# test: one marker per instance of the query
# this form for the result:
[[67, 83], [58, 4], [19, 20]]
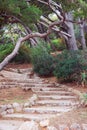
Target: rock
[[15, 105], [84, 126], [26, 104], [51, 128], [9, 106], [10, 111], [18, 109], [44, 123], [4, 113], [3, 108], [75, 126], [33, 98], [63, 127], [29, 125]]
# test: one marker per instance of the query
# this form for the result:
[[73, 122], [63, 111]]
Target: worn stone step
[[59, 97], [57, 102], [46, 109], [35, 84], [48, 89], [36, 117], [23, 84], [27, 81], [10, 124], [54, 92], [7, 86], [30, 81], [8, 83], [21, 70]]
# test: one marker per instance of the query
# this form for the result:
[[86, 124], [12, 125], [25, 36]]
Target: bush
[[5, 49], [42, 61], [69, 65], [58, 44], [22, 56]]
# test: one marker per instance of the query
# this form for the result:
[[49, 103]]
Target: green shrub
[[22, 56], [69, 65], [42, 61], [58, 44], [5, 49]]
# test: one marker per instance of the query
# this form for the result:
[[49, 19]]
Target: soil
[[14, 95], [78, 116], [18, 95]]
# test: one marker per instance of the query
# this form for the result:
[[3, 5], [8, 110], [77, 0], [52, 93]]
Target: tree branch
[[20, 40]]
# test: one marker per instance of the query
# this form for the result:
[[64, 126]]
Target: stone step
[[54, 92], [8, 83], [10, 124], [56, 97], [22, 82], [25, 86], [7, 86], [45, 109], [42, 87], [20, 70], [35, 89], [35, 84], [36, 117], [57, 102]]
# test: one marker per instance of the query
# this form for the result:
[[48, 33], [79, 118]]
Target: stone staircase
[[52, 100]]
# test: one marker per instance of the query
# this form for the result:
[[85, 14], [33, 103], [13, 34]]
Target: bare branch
[[43, 2], [47, 23], [20, 40]]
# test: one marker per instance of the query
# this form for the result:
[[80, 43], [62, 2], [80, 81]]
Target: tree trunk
[[83, 42], [72, 40], [12, 55]]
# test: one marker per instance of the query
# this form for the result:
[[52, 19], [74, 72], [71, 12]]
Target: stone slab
[[36, 117], [48, 88], [55, 92], [47, 109], [57, 102], [60, 97], [10, 124]]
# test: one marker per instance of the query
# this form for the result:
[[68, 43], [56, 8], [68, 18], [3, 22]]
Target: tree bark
[[13, 54], [83, 41], [71, 40]]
